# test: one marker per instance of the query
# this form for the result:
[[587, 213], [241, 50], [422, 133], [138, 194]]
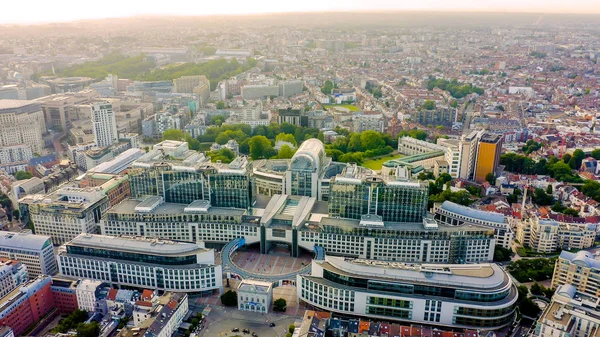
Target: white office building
[[34, 251], [141, 262], [452, 214], [473, 296], [66, 213], [22, 122], [87, 293], [104, 124]]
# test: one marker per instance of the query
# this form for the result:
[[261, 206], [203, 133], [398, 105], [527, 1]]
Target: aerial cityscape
[[294, 170]]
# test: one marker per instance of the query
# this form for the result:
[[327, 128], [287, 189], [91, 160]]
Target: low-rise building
[[65, 294], [163, 319], [255, 295], [87, 292]]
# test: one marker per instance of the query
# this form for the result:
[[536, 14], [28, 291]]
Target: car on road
[[254, 334], [246, 331], [271, 324], [235, 330]]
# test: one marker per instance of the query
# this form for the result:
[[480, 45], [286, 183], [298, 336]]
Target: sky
[[36, 11]]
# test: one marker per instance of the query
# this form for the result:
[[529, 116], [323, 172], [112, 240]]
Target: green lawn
[[348, 106], [375, 164]]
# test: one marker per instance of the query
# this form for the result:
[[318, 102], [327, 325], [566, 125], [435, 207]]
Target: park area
[[346, 106], [377, 163]]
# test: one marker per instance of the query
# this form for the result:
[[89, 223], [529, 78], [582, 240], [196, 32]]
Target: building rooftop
[[139, 245], [403, 226], [131, 206], [476, 276], [173, 301], [581, 258], [255, 286], [473, 213], [25, 241], [9, 105]]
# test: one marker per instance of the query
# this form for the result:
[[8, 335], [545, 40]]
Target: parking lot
[[221, 321]]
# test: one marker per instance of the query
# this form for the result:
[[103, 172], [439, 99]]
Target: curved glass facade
[[135, 257]]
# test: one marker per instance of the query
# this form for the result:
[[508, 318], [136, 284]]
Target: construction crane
[[549, 122]]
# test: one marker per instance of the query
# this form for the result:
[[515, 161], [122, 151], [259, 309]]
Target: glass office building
[[354, 194], [473, 296], [140, 262]]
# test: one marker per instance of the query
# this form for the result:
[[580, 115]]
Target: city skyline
[[69, 10]]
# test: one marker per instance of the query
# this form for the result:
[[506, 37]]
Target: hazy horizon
[[37, 11]]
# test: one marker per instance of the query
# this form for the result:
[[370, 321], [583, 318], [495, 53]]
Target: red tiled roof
[[112, 294], [147, 294]]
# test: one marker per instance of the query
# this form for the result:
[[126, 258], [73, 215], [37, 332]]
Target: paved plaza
[[278, 261], [220, 321]]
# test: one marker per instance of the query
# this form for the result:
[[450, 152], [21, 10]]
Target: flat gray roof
[[9, 104], [472, 213], [137, 245], [407, 226], [475, 276], [128, 207], [25, 241]]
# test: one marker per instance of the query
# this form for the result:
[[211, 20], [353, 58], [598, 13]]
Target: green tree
[[566, 158], [286, 152], [225, 155], [327, 87], [260, 147], [578, 155], [536, 289], [173, 134], [429, 105], [291, 328], [279, 305], [229, 299], [596, 154], [123, 322], [571, 211], [286, 137], [549, 190], [370, 139], [425, 175], [541, 198], [88, 329], [558, 207], [22, 175], [502, 254], [16, 214], [6, 202], [490, 178], [220, 105]]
